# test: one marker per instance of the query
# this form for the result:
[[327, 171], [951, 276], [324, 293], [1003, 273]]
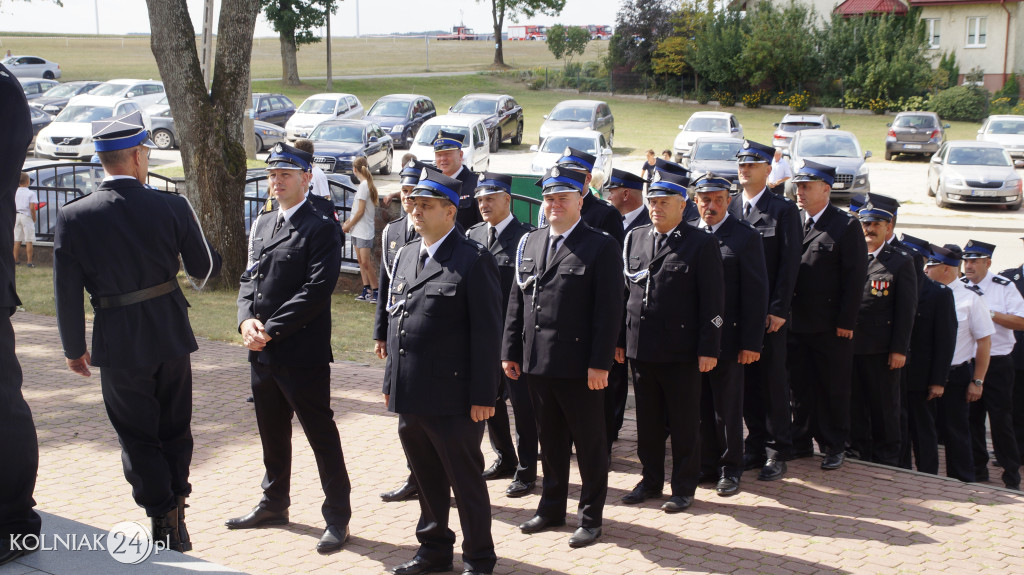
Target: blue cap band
[[442, 144], [615, 182], [121, 143], [823, 176], [564, 181], [431, 184], [667, 186], [589, 166], [494, 184]]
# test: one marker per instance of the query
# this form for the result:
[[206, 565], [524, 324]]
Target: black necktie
[[746, 209], [280, 222], [552, 249], [422, 262], [871, 258], [492, 236], [659, 243], [708, 228], [808, 225], [410, 232]]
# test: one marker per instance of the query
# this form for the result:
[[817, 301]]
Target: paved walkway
[[862, 519]]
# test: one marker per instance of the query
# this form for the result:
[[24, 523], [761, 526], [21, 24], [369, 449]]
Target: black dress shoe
[[258, 517], [469, 571], [752, 461], [421, 565], [773, 469], [406, 491], [727, 486], [333, 540], [640, 494], [584, 536], [497, 470], [8, 553], [677, 503], [520, 488], [833, 461], [536, 524]]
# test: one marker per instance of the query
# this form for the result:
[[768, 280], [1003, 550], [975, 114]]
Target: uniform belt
[[135, 296]]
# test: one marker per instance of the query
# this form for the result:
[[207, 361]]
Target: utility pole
[[206, 62], [96, 6]]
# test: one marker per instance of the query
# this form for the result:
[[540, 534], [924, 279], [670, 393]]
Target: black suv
[[273, 108], [502, 116], [401, 115]]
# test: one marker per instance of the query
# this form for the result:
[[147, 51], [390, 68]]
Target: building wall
[[953, 39]]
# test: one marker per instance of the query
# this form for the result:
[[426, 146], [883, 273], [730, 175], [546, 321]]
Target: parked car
[[144, 92], [40, 120], [69, 136], [918, 133], [476, 151], [58, 183], [703, 124], [36, 87], [32, 67], [401, 115], [967, 172], [1006, 130], [273, 108], [502, 116], [343, 191], [589, 141], [338, 143], [715, 154], [836, 148], [580, 115], [54, 100], [792, 123], [320, 108], [165, 135]]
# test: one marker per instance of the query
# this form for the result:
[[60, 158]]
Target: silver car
[[579, 115], [837, 148], [1005, 130], [965, 172], [32, 67]]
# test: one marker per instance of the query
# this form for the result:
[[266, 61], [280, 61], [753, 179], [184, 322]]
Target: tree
[[778, 48], [567, 42], [294, 21], [896, 64], [717, 47], [209, 124], [639, 26], [514, 10]]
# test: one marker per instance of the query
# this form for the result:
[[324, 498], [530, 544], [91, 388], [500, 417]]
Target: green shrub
[[701, 96], [755, 99], [966, 103], [1000, 106], [1010, 90], [878, 105], [725, 98]]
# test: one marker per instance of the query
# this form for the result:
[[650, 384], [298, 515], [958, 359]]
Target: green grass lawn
[[213, 314]]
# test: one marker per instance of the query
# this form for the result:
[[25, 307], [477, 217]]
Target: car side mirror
[[534, 148], [867, 154], [835, 126], [981, 131], [479, 144], [888, 124], [785, 154], [936, 159], [680, 126], [606, 152], [545, 116], [776, 124], [373, 139], [450, 108]]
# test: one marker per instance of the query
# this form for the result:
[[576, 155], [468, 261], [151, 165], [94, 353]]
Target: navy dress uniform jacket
[[289, 288], [642, 219], [569, 320], [933, 339], [469, 212], [395, 236], [746, 287], [888, 305], [688, 268], [504, 252], [832, 271], [601, 215], [110, 244], [443, 342]]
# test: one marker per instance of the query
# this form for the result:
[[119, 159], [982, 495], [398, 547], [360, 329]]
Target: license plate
[[838, 186], [67, 150], [983, 192], [912, 146]]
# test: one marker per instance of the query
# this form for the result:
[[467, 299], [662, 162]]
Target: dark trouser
[[524, 451], [615, 400], [444, 451], [721, 419], [905, 461], [922, 434], [280, 392], [151, 411], [996, 401], [956, 425], [1018, 407], [668, 392], [19, 449], [569, 412], [820, 365], [875, 409], [766, 401]]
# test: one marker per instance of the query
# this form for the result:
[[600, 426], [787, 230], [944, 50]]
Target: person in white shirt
[[1006, 308], [973, 342], [361, 224], [25, 202], [318, 186], [781, 171]]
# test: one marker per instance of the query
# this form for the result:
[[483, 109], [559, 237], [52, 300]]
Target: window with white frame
[[933, 32], [976, 32]]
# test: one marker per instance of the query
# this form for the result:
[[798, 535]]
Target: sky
[[375, 16]]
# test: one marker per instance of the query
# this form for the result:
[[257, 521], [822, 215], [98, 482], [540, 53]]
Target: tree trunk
[[498, 18], [289, 63], [210, 127]]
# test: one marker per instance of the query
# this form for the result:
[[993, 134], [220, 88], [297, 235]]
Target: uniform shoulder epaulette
[[745, 224], [965, 280], [69, 202], [975, 289], [1001, 280], [476, 225], [480, 248], [170, 192]]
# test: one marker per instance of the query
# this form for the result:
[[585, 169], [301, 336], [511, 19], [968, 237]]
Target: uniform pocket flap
[[572, 269], [766, 231], [440, 289], [677, 267]]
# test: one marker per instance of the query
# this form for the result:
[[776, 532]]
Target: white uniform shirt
[[318, 185], [1001, 296], [973, 321]]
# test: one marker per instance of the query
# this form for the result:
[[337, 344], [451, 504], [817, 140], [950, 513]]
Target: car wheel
[[163, 139], [518, 138], [48, 75], [940, 201], [611, 139], [1013, 207], [259, 143], [385, 169], [888, 155], [496, 140]]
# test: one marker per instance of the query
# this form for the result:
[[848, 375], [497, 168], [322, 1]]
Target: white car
[[144, 92], [32, 67], [319, 108], [589, 141], [705, 124], [69, 136], [1006, 130], [476, 144]]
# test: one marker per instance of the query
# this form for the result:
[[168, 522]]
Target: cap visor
[[557, 189]]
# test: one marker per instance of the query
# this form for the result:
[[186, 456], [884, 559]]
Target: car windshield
[[318, 106], [346, 134], [558, 144], [715, 125], [426, 135], [920, 122], [62, 91], [978, 157], [572, 114], [109, 89], [474, 106], [390, 108], [828, 146], [1007, 127], [797, 126], [84, 114], [717, 150], [11, 60]]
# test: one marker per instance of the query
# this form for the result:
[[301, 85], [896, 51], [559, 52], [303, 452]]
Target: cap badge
[[746, 144], [554, 171], [567, 152], [278, 149], [411, 164]]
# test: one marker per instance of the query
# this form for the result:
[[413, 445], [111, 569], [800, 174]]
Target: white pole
[[96, 6]]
